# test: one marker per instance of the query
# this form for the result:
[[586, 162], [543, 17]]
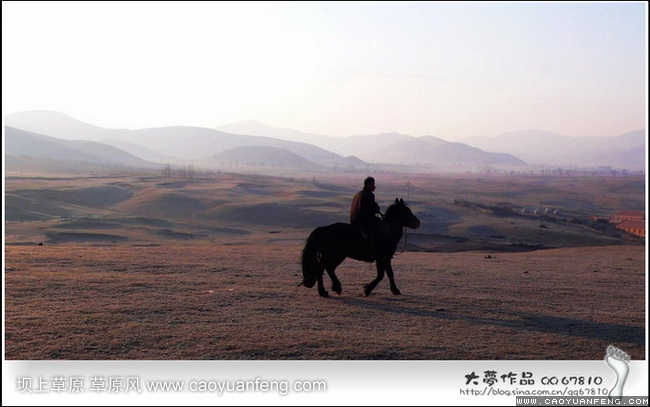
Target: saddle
[[372, 240], [366, 235]]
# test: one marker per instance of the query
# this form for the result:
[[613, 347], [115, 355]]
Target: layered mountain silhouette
[[532, 147], [167, 145], [53, 135], [403, 150], [21, 143], [538, 147]]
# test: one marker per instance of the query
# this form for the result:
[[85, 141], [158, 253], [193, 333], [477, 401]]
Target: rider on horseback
[[365, 214]]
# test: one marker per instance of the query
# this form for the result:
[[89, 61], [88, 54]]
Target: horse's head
[[399, 211]]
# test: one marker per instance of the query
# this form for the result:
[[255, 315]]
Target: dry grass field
[[179, 302], [144, 268]]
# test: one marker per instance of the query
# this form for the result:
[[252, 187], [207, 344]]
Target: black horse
[[328, 246]]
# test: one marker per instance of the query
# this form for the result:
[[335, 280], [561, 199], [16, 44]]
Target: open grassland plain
[[194, 302], [480, 212], [144, 267]]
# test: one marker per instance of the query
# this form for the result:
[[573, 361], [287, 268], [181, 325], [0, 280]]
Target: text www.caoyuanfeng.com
[[240, 386], [131, 384]]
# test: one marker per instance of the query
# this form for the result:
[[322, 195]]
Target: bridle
[[405, 240], [405, 235]]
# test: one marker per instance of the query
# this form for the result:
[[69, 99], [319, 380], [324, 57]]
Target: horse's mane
[[398, 202], [394, 205]]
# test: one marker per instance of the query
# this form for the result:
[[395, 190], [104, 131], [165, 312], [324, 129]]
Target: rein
[[405, 240], [405, 235]]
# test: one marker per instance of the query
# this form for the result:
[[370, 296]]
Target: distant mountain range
[[53, 135], [387, 148], [21, 143], [166, 145], [533, 147], [538, 147]]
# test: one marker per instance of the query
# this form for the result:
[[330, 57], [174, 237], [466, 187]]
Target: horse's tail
[[310, 258]]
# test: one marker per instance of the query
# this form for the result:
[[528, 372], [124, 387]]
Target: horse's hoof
[[324, 294], [366, 292], [397, 292]]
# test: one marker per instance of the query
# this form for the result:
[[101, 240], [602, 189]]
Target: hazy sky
[[450, 70]]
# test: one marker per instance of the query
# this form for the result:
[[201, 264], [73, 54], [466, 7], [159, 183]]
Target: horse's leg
[[321, 286], [330, 267], [391, 277], [336, 283], [367, 289]]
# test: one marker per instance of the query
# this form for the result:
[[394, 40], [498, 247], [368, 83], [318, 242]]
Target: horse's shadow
[[616, 333]]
